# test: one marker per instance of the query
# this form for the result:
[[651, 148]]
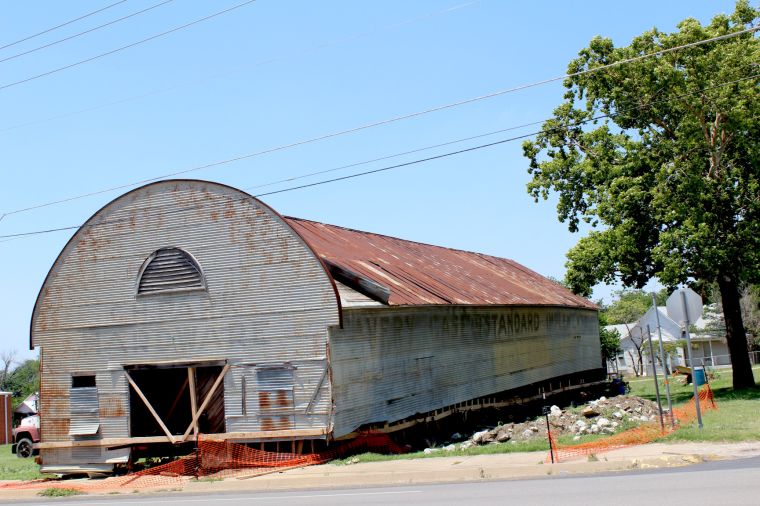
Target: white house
[[708, 341]]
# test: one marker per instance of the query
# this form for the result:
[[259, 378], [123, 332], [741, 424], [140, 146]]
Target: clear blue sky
[[275, 72]]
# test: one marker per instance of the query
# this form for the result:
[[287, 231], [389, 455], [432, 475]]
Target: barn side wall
[[391, 363], [268, 302]]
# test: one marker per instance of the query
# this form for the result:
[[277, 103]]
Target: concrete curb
[[456, 469]]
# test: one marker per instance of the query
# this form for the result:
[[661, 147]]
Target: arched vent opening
[[170, 269]]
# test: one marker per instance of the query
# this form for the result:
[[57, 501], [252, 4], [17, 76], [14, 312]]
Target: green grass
[[59, 492], [489, 449], [735, 419], [14, 468]]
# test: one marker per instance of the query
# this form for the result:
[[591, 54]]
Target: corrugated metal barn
[[187, 307]]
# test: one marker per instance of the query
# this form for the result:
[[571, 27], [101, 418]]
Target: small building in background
[[6, 418], [27, 407], [188, 307], [708, 341]]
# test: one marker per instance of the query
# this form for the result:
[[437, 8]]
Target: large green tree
[[630, 305], [671, 175]]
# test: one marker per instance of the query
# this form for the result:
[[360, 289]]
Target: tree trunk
[[736, 337]]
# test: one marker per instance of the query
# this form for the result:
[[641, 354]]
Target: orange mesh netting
[[642, 434], [217, 458]]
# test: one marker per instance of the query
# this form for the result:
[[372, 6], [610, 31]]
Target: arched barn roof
[[394, 271], [101, 218]]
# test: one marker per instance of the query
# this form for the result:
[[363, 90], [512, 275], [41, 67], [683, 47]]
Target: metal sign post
[[666, 373], [689, 310], [546, 410], [654, 374]]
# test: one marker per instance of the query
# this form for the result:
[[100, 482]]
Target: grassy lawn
[[526, 446], [14, 468], [735, 420]]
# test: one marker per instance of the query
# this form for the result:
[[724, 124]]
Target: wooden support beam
[[205, 403], [223, 436], [150, 408], [316, 390], [193, 397]]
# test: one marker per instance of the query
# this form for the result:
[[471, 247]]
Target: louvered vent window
[[170, 269]]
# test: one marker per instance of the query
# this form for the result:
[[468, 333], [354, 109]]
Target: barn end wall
[[268, 302], [391, 363]]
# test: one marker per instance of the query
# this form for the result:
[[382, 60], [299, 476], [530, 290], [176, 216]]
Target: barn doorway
[[161, 399]]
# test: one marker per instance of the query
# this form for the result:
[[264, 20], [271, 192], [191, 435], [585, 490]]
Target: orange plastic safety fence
[[642, 434], [217, 458]]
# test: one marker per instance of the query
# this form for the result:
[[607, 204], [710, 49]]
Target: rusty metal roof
[[420, 274]]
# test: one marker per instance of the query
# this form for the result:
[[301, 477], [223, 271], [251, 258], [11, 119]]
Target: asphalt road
[[726, 483]]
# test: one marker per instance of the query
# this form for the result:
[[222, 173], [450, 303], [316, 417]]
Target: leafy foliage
[[24, 380], [750, 306], [662, 153], [610, 339], [631, 305]]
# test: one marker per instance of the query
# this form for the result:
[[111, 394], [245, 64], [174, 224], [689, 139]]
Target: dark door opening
[[168, 391]]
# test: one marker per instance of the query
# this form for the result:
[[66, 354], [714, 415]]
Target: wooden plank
[[193, 397], [206, 401], [223, 436], [316, 390], [150, 408]]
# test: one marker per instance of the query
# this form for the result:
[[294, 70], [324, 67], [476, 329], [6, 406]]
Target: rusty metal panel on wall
[[391, 363]]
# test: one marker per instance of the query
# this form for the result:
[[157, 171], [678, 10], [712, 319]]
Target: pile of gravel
[[602, 416]]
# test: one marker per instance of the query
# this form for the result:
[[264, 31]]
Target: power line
[[396, 155], [377, 123], [405, 164], [62, 24], [293, 54], [122, 48], [86, 31]]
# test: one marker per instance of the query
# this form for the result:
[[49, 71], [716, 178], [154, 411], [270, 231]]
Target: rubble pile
[[602, 416]]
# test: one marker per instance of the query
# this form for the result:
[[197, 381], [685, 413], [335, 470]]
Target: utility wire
[[406, 164], [86, 31], [396, 155], [62, 25], [122, 48], [375, 124], [294, 54]]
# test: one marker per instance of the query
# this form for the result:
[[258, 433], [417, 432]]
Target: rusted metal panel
[[418, 274], [267, 299], [391, 363], [255, 402]]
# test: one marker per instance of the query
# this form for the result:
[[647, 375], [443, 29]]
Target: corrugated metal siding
[[391, 363], [85, 413], [306, 376], [351, 298], [268, 300]]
